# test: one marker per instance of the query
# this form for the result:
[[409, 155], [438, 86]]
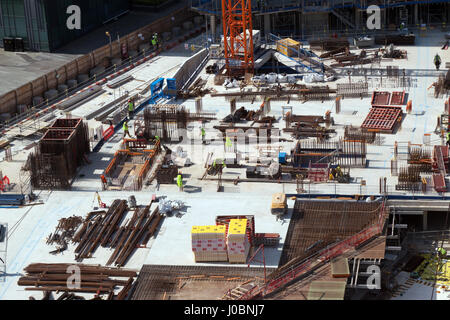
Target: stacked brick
[[208, 243], [238, 245]]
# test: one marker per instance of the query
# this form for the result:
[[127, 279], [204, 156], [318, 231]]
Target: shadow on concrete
[[192, 189]]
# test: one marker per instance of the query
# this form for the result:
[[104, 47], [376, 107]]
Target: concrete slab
[[29, 227]]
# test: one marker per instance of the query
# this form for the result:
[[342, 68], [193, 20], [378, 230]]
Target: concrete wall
[[189, 67], [37, 87]]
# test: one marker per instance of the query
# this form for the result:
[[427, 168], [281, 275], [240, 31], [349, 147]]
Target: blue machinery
[[157, 90]]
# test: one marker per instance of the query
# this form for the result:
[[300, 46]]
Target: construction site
[[232, 157]]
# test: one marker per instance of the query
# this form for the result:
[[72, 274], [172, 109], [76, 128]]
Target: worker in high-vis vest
[[448, 138], [180, 181], [228, 143], [203, 134], [125, 129], [130, 108], [437, 61], [442, 252], [156, 39]]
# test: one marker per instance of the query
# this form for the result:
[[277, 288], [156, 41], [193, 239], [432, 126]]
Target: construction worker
[[228, 142], [402, 26], [448, 138], [338, 171], [442, 252], [437, 61], [154, 44], [125, 129], [155, 41], [203, 133], [157, 138], [180, 182], [130, 108]]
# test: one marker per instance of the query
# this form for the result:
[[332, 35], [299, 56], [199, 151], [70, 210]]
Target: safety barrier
[[4, 182], [108, 133]]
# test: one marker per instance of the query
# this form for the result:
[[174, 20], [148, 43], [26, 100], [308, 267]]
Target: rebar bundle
[[106, 230], [93, 279]]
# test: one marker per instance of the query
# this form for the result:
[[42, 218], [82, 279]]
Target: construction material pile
[[107, 229], [288, 47], [64, 232], [328, 44], [197, 89], [93, 279], [301, 126], [242, 114], [391, 52], [396, 39], [238, 245], [208, 243], [168, 207]]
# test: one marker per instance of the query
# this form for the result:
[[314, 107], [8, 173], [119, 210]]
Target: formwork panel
[[380, 98], [397, 98], [383, 119]]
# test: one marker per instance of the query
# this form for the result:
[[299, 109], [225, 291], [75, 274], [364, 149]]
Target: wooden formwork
[[121, 158]]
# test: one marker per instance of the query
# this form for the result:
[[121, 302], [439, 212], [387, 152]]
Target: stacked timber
[[208, 243], [238, 245]]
